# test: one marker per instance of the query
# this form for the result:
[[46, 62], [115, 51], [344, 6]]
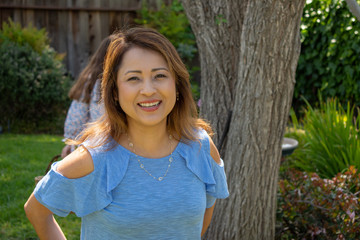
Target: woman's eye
[[133, 79], [160, 75]]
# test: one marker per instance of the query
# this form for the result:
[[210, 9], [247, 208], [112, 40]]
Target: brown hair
[[182, 121], [84, 85]]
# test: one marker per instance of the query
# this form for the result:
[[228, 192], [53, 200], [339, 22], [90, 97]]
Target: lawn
[[23, 157]]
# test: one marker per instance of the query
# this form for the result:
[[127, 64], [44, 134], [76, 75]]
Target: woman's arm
[[207, 219], [78, 164], [43, 220], [214, 153]]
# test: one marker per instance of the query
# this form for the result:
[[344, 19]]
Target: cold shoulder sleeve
[[199, 161], [83, 195]]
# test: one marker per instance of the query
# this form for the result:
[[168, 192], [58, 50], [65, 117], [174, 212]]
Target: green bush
[[329, 61], [33, 86], [313, 208], [331, 139], [13, 32]]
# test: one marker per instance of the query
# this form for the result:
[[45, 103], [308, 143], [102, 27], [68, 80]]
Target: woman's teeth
[[149, 104]]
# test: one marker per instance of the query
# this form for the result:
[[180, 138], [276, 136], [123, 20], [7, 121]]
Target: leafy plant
[[329, 61], [33, 86], [29, 35], [310, 207], [331, 139]]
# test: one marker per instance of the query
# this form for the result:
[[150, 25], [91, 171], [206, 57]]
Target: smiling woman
[[147, 169]]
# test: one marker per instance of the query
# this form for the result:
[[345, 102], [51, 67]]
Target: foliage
[[23, 157], [29, 35], [313, 208], [33, 84], [329, 61], [331, 139], [171, 21]]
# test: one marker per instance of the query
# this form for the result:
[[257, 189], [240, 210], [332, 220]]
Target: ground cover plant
[[310, 207], [22, 157]]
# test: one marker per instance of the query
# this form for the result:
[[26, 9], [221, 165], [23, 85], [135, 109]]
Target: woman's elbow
[[34, 209]]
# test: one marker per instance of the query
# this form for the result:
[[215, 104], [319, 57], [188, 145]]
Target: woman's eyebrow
[[157, 69], [132, 71], [152, 70]]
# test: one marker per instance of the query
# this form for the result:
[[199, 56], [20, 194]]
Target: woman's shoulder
[[77, 164], [88, 158]]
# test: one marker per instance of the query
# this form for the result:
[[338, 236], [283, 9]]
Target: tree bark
[[354, 8], [248, 52]]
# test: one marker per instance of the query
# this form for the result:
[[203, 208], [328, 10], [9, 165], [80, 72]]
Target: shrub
[[13, 32], [329, 61], [33, 86], [331, 139], [313, 208]]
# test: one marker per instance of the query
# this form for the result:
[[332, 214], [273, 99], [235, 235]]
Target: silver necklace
[[131, 145]]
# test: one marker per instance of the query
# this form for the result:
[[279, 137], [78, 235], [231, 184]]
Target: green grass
[[23, 157]]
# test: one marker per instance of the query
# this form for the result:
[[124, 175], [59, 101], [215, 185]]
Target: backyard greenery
[[319, 183], [33, 83], [330, 48], [332, 139], [23, 157]]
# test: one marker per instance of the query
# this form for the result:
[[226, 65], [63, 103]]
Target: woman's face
[[146, 88]]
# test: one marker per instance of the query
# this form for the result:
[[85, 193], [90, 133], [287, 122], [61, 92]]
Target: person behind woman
[[85, 94], [147, 169]]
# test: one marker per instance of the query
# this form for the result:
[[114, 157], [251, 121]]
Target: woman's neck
[[149, 142]]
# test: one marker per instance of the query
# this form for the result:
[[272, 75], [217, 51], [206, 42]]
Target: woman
[[147, 169], [86, 106]]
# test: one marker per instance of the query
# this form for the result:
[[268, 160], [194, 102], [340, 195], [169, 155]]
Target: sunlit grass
[[23, 157]]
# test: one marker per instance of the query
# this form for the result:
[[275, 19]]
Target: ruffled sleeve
[[199, 161], [87, 194]]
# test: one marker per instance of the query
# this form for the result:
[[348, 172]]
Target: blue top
[[119, 200]]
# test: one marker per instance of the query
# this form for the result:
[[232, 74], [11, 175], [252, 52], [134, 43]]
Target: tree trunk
[[248, 52], [354, 8]]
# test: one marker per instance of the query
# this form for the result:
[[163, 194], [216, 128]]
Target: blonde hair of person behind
[[84, 85], [183, 120]]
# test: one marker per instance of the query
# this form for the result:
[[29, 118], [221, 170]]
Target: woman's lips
[[149, 106]]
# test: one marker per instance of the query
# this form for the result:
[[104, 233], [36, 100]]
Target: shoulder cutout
[[214, 152], [77, 164]]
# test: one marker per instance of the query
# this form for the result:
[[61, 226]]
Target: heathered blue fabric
[[119, 200]]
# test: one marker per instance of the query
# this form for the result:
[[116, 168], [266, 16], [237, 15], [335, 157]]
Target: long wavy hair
[[183, 120], [82, 88]]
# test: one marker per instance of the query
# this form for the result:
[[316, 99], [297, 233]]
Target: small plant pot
[[288, 146]]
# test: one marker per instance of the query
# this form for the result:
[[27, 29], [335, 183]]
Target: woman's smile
[[150, 106]]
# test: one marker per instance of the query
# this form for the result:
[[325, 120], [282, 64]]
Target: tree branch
[[354, 8]]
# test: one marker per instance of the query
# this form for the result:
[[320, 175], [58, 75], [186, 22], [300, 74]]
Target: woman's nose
[[148, 87]]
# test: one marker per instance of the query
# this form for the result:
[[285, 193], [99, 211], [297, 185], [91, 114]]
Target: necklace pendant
[[142, 165], [160, 178]]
